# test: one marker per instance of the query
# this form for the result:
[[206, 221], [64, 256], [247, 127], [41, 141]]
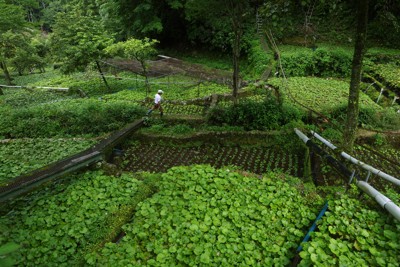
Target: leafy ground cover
[[173, 92], [209, 217], [19, 98], [20, 156], [56, 226], [89, 82], [388, 74], [322, 95], [352, 234], [322, 61], [180, 226], [68, 118], [205, 58]]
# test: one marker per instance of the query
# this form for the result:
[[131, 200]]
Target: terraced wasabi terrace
[[234, 172]]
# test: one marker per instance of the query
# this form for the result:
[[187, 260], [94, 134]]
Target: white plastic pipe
[[382, 200], [40, 87], [301, 135], [371, 169], [358, 162], [326, 142], [380, 94]]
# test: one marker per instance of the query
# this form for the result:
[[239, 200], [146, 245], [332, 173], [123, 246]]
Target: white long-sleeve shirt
[[157, 99]]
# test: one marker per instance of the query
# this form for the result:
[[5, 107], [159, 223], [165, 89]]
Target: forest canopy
[[188, 22]]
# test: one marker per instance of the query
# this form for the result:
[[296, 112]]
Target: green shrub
[[379, 140], [267, 115], [76, 117], [333, 135], [368, 117], [181, 129], [322, 63]]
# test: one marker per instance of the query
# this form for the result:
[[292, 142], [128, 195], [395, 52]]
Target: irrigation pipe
[[32, 87], [340, 167], [358, 162], [313, 226], [382, 200]]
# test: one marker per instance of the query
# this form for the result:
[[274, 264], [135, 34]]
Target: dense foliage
[[19, 98], [54, 230], [174, 91], [389, 73], [77, 44], [266, 115], [23, 155], [204, 216], [387, 119], [351, 234], [68, 118], [308, 92], [321, 62], [201, 215]]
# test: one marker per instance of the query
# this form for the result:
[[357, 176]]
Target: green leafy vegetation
[[6, 254], [308, 91], [389, 73], [323, 62], [202, 215], [206, 216], [351, 234], [20, 98], [381, 155], [173, 91], [59, 225], [20, 156], [266, 115], [370, 118], [68, 118]]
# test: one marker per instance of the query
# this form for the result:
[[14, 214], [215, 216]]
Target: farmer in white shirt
[[157, 103]]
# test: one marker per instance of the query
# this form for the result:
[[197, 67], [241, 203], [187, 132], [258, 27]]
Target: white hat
[[160, 91]]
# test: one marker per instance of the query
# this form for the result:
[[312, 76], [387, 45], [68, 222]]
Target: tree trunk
[[7, 76], [236, 55], [146, 78], [102, 75], [236, 10], [350, 131]]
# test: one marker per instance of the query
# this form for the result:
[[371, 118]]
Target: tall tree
[[11, 22], [78, 40], [163, 19], [225, 20], [141, 50], [354, 91]]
